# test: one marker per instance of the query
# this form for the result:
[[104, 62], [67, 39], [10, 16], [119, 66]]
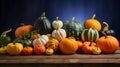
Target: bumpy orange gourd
[[53, 43], [27, 50], [92, 23], [39, 49], [108, 44], [68, 46], [22, 29]]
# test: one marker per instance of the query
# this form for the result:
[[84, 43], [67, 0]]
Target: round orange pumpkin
[[27, 50], [68, 46], [39, 49], [22, 29], [108, 44], [92, 23]]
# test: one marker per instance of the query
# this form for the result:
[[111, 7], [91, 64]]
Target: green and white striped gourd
[[89, 35]]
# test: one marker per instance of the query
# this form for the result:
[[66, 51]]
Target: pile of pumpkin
[[69, 37]]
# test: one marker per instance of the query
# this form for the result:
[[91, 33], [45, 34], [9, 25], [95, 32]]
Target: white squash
[[57, 24], [59, 34], [43, 39]]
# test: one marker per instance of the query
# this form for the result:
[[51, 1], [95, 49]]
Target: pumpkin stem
[[73, 18], [106, 26], [57, 18], [22, 24], [4, 34], [90, 43], [93, 16], [43, 15]]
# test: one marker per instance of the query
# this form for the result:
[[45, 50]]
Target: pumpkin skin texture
[[59, 34], [68, 46], [108, 44], [89, 35], [43, 39], [92, 23], [80, 44], [39, 49], [14, 48], [43, 25], [21, 30], [27, 50], [57, 24], [87, 47], [73, 28], [53, 43], [96, 50]]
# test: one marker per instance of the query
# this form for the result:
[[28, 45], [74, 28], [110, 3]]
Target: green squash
[[73, 28], [90, 35], [25, 42], [4, 38], [43, 25]]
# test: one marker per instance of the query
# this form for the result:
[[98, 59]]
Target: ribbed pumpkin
[[73, 28], [68, 46], [57, 24], [59, 34], [108, 44], [53, 43], [89, 35], [43, 39], [43, 24], [21, 30], [92, 23]]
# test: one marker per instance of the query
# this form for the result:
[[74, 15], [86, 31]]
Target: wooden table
[[59, 60]]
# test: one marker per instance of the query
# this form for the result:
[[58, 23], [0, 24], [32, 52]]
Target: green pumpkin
[[25, 42], [5, 39], [43, 25], [73, 28], [90, 35]]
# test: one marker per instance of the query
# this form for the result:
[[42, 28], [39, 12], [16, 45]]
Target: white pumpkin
[[43, 39], [57, 24], [59, 34]]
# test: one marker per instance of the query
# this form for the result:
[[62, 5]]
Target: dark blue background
[[12, 11]]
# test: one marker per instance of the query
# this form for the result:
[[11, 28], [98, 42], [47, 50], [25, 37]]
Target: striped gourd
[[89, 35], [73, 28]]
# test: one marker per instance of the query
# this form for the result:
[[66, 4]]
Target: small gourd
[[57, 24]]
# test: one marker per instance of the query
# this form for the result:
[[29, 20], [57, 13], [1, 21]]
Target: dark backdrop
[[12, 11]]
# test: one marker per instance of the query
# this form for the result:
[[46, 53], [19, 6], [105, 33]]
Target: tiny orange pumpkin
[[27, 50]]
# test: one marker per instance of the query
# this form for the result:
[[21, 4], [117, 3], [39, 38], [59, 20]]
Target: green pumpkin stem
[[43, 15], [73, 18], [57, 18], [4, 34], [93, 16], [106, 26]]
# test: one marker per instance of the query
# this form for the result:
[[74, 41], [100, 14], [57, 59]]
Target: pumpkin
[[49, 51], [43, 25], [14, 48], [73, 28], [80, 44], [57, 24], [27, 50], [33, 37], [53, 43], [3, 50], [59, 34], [108, 44], [21, 30], [39, 49], [4, 38], [68, 46], [92, 23], [43, 39], [87, 47], [106, 30], [89, 35], [96, 50], [25, 42]]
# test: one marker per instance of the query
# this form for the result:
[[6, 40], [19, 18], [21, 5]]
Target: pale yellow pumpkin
[[57, 24]]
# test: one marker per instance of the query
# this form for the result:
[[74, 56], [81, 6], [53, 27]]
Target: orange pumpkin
[[27, 50], [68, 46], [39, 49], [92, 23], [33, 37], [80, 44], [22, 29], [87, 47], [108, 44]]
